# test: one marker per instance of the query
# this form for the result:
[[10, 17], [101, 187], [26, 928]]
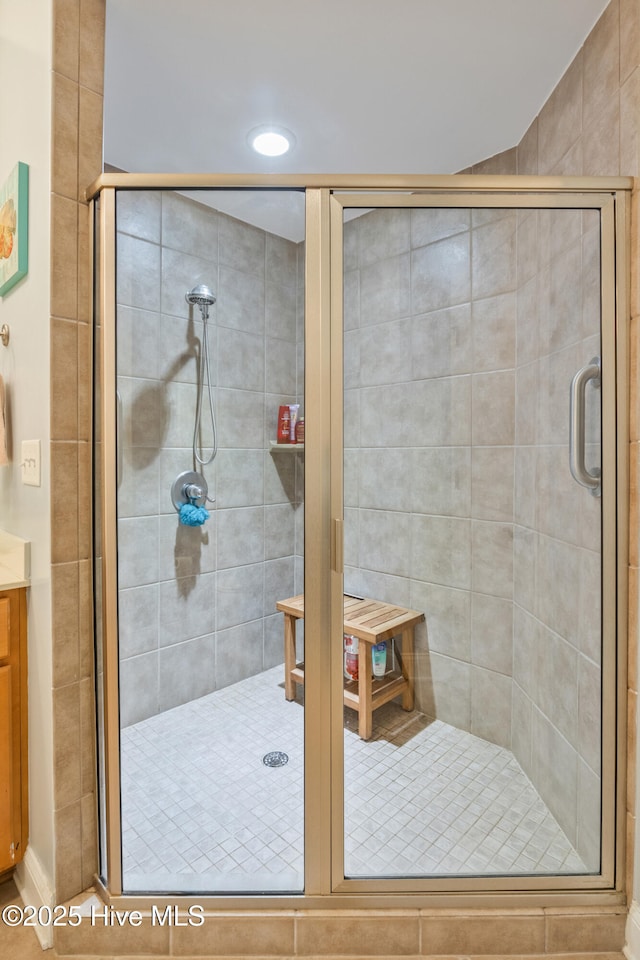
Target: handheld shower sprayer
[[202, 297]]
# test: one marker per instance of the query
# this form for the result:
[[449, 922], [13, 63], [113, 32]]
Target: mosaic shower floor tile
[[201, 812]]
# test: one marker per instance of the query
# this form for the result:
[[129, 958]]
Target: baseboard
[[34, 888]]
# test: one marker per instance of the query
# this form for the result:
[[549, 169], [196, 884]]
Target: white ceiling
[[366, 86]]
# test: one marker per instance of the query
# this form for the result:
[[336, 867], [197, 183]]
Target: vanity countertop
[[15, 561]]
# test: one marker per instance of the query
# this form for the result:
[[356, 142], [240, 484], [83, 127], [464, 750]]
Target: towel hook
[[4, 334]]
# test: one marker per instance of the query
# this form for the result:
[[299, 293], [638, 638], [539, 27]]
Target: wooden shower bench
[[371, 621]]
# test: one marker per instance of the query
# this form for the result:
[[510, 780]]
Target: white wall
[[25, 118]]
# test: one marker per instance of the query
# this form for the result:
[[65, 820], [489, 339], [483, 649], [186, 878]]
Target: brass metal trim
[[337, 577], [317, 524], [324, 773], [110, 536], [455, 181]]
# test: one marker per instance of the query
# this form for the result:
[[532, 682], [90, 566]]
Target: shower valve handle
[[190, 487]]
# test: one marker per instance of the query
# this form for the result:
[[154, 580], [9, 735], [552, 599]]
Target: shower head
[[202, 297]]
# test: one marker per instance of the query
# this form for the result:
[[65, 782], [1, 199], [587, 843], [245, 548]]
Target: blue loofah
[[193, 516]]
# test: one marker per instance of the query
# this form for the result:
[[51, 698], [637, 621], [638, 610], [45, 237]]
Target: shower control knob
[[189, 487]]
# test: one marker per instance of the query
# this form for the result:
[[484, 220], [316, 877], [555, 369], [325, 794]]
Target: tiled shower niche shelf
[[285, 447]]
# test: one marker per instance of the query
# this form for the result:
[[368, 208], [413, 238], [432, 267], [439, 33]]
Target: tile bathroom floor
[[202, 812]]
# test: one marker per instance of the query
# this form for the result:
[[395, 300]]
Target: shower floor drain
[[275, 759]]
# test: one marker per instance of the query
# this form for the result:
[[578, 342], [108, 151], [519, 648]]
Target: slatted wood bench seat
[[371, 621]]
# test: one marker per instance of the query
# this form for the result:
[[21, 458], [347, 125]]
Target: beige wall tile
[[85, 291], [64, 379], [84, 381], [91, 49], [87, 736], [68, 867], [85, 515], [111, 940], [85, 619], [64, 265], [67, 761], [570, 164], [64, 502], [65, 593], [245, 934], [527, 151], [89, 817], [66, 31], [357, 934], [601, 75], [485, 934], [574, 933], [503, 163], [560, 120], [90, 139], [64, 174], [629, 113], [601, 141], [629, 37]]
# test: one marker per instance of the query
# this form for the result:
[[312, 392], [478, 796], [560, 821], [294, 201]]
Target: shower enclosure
[[457, 348]]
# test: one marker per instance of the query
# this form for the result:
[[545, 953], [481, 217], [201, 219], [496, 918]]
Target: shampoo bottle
[[284, 424], [379, 658]]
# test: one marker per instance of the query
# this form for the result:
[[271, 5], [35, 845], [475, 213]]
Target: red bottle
[[284, 424]]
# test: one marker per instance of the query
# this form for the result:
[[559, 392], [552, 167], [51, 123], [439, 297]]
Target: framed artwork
[[14, 227]]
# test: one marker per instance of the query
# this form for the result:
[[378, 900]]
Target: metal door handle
[[577, 464]]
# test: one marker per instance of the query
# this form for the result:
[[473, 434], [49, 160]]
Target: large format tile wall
[[429, 434], [463, 331], [197, 604], [589, 126], [555, 730], [76, 160]]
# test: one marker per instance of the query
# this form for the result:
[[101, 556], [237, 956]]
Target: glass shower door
[[473, 565], [210, 340]]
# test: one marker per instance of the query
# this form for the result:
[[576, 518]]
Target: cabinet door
[[6, 778]]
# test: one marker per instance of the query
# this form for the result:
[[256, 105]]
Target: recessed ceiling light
[[271, 141]]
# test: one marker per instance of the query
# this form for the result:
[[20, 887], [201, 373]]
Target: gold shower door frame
[[326, 198]]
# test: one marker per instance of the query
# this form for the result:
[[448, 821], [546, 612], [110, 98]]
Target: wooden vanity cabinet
[[14, 806]]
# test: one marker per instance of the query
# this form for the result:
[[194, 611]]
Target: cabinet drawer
[[4, 628]]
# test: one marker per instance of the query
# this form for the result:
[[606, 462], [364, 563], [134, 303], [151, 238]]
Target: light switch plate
[[31, 462]]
